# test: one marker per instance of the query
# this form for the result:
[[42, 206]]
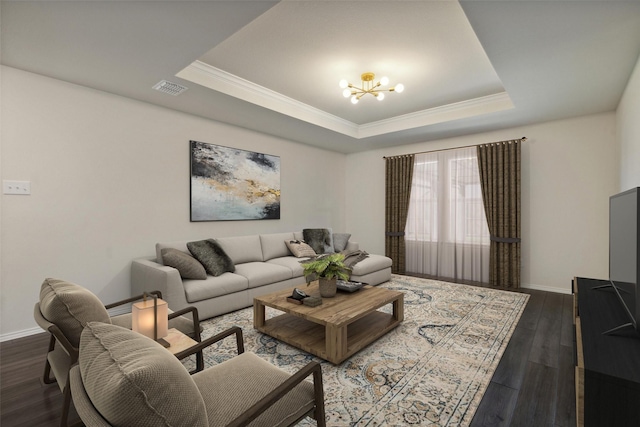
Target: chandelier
[[368, 87]]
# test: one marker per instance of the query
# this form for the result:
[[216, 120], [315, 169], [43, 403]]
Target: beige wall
[[569, 170], [628, 132], [110, 178]]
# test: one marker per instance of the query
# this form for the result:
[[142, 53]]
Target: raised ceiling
[[274, 67], [295, 54]]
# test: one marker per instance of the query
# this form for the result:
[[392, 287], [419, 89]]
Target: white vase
[[328, 287]]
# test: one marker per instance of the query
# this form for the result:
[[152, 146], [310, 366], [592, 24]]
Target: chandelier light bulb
[[384, 81], [399, 88], [354, 99], [380, 96], [343, 83], [346, 93]]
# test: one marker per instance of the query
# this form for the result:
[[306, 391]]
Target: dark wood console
[[607, 366]]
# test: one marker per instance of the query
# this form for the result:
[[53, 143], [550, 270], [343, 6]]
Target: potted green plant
[[327, 269]]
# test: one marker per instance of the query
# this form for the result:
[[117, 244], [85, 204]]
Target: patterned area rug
[[432, 370]]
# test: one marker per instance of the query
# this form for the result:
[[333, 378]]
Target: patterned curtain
[[499, 165], [398, 175]]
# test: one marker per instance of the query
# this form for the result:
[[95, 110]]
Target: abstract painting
[[231, 184]]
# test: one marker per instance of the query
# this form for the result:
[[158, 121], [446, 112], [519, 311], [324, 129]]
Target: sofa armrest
[[352, 246], [147, 275]]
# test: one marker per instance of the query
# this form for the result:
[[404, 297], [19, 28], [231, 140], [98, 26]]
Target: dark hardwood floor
[[532, 386], [534, 382]]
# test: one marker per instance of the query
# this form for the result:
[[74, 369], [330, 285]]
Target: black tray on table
[[349, 286]]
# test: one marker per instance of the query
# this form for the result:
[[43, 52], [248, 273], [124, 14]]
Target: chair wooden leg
[[64, 418], [319, 414], [199, 361], [196, 333], [65, 406], [240, 341], [46, 378]]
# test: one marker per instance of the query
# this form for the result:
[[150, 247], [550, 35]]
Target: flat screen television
[[624, 249]]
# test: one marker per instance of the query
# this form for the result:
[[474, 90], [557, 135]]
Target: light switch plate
[[16, 187]]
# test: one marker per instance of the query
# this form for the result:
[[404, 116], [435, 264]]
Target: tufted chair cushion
[[70, 307], [133, 381]]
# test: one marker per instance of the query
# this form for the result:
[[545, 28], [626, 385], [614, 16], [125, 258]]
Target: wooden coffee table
[[335, 330]]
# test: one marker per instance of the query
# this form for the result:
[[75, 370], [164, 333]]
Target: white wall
[[110, 178], [628, 132], [569, 170]]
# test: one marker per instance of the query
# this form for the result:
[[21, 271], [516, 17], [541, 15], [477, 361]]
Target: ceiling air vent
[[171, 88]]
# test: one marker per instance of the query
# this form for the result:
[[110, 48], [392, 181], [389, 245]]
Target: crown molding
[[232, 85], [445, 113], [219, 80]]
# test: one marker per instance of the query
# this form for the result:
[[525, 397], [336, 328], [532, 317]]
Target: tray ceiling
[[274, 67]]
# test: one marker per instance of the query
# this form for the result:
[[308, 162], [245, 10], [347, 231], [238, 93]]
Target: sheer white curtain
[[447, 233]]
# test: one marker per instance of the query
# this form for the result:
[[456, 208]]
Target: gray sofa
[[263, 264]]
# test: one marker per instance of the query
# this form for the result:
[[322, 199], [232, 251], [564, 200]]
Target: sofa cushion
[[70, 307], [212, 287], [242, 249], [340, 241], [319, 239], [273, 245], [291, 263], [300, 249], [370, 264], [187, 266], [131, 380], [263, 273], [212, 256]]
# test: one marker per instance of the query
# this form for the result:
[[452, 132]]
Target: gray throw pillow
[[187, 266], [340, 241], [299, 248], [319, 239], [212, 256]]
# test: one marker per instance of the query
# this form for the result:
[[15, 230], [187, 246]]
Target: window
[[446, 232], [424, 195]]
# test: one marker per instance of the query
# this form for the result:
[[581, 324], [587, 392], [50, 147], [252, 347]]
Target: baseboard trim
[[485, 285], [546, 288], [20, 334], [32, 331]]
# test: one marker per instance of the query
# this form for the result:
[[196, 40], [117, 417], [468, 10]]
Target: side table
[[179, 341]]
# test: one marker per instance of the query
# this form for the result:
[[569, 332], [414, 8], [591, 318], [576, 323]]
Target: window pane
[[446, 199]]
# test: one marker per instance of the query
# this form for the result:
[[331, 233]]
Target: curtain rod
[[524, 138]]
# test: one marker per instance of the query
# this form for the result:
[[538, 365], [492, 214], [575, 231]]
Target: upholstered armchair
[[125, 379], [65, 308]]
